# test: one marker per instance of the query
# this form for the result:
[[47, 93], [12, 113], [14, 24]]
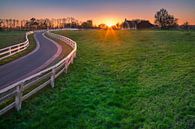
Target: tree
[[10, 23], [32, 24], [88, 24], [103, 26], [186, 26], [1, 21], [118, 26], [164, 20]]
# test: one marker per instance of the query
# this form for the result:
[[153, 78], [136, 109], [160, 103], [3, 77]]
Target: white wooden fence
[[13, 95], [11, 50]]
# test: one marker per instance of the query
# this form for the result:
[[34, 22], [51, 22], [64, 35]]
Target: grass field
[[8, 38], [121, 79]]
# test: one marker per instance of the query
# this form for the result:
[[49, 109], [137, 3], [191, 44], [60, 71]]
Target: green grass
[[14, 37], [8, 38], [122, 79]]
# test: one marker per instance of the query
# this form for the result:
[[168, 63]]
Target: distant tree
[[88, 24], [103, 26], [74, 25], [42, 25], [10, 23], [7, 21], [13, 21], [186, 26], [164, 20], [1, 24], [67, 25], [32, 24], [118, 26]]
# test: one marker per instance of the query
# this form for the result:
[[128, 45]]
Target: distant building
[[137, 24]]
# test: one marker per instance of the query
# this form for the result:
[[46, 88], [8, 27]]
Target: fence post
[[18, 98], [72, 59], [10, 52], [66, 68], [53, 78], [18, 47]]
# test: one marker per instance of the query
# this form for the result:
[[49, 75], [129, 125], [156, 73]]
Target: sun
[[110, 22]]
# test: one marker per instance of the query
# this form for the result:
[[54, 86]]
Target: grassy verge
[[8, 38], [22, 53], [120, 79]]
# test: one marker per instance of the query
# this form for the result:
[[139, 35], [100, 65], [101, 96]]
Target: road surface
[[44, 54]]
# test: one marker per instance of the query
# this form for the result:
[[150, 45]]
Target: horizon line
[[95, 23]]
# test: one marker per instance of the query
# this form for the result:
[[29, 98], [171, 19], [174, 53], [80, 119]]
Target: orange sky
[[100, 11]]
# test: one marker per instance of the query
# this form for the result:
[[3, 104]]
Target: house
[[137, 24]]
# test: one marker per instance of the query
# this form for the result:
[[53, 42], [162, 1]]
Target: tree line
[[36, 24]]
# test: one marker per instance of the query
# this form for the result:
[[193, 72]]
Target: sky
[[100, 11]]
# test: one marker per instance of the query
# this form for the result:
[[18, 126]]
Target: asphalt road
[[44, 54]]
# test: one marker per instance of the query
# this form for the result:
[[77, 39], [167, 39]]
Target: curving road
[[44, 54]]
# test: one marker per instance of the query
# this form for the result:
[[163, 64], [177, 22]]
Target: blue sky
[[98, 10]]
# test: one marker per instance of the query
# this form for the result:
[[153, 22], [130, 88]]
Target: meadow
[[120, 79], [8, 38]]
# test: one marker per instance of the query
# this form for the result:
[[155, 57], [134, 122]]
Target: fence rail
[[11, 50], [13, 95]]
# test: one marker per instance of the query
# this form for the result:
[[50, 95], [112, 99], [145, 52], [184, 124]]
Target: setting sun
[[110, 22]]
